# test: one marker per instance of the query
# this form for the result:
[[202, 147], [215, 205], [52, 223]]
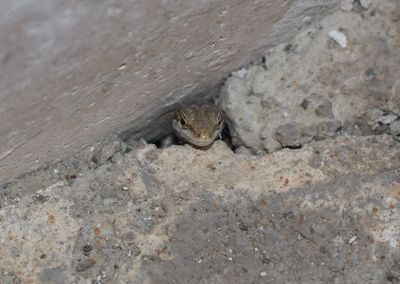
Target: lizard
[[198, 124]]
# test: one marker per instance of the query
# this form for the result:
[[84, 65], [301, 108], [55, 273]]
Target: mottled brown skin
[[197, 124]]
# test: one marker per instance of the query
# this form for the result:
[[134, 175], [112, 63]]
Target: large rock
[[312, 87], [75, 71], [190, 216]]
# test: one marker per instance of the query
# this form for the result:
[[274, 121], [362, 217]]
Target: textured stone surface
[[187, 215], [75, 71], [311, 87], [327, 212]]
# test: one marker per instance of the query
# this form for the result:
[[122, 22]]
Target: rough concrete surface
[[320, 206], [312, 88], [181, 215], [74, 71]]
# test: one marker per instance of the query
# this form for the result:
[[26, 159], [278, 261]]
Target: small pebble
[[122, 66], [339, 37], [263, 274], [306, 20], [395, 128], [387, 119], [346, 5], [352, 239], [241, 73], [365, 3]]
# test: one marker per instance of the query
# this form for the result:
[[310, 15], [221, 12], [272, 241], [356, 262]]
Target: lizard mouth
[[189, 136]]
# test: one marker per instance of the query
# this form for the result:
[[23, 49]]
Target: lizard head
[[199, 125]]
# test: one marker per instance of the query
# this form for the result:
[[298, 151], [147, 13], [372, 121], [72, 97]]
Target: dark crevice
[[293, 147]]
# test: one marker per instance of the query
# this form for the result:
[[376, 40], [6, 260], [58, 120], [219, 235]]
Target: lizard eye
[[219, 119], [183, 119]]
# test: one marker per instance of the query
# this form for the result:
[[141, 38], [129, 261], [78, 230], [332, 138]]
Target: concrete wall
[[73, 71]]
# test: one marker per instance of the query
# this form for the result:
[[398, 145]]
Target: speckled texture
[[188, 215], [327, 212], [310, 87]]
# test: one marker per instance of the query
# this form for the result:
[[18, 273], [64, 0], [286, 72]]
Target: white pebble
[[352, 239], [263, 274], [339, 37], [387, 119], [122, 66], [241, 73]]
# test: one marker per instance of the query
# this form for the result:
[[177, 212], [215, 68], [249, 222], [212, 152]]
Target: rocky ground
[[316, 86], [308, 190]]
